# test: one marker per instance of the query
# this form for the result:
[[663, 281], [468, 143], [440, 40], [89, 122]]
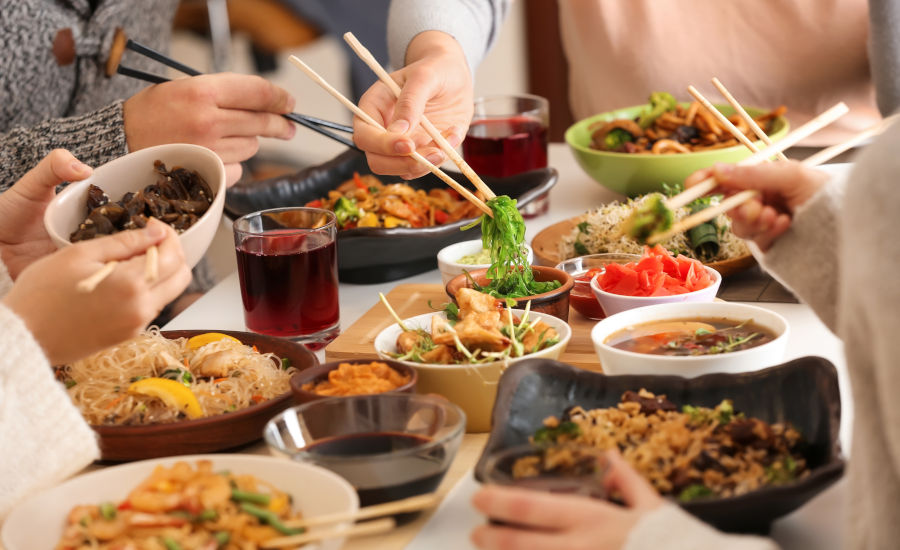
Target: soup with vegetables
[[708, 336]]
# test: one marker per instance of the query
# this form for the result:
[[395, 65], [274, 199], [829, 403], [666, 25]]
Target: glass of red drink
[[508, 136], [287, 264]]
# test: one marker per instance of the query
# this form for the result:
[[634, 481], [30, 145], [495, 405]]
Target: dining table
[[817, 524]]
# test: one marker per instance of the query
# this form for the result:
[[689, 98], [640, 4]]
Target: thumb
[[126, 244], [57, 167], [414, 96], [626, 481]]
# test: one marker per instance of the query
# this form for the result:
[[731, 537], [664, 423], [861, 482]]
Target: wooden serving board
[[409, 300]]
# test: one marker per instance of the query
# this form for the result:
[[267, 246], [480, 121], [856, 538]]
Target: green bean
[[248, 496], [271, 518]]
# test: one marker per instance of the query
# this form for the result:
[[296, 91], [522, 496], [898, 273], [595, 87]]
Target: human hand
[[540, 520], [23, 238], [783, 187], [436, 82], [70, 324], [225, 112]]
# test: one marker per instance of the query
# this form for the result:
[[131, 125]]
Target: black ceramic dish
[[803, 392], [375, 255]]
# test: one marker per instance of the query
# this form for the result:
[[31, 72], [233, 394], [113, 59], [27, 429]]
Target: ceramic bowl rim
[[564, 339], [780, 337], [455, 431]]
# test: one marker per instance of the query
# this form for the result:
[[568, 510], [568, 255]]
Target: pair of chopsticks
[[315, 124], [435, 134], [411, 504]]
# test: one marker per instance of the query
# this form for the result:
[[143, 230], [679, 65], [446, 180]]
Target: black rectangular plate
[[803, 392], [369, 255]]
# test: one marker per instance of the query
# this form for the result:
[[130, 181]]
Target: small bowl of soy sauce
[[388, 446]]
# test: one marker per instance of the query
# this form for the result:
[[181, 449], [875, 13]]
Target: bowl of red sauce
[[583, 269], [657, 277]]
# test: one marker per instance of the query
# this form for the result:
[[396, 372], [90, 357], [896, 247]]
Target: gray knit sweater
[[48, 101]]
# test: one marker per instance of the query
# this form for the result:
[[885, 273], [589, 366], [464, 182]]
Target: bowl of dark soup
[[389, 446], [690, 339]]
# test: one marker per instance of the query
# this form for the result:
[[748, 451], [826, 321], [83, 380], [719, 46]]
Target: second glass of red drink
[[508, 136], [287, 264]]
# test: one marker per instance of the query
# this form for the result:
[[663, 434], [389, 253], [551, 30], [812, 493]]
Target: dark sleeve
[[884, 53], [94, 138]]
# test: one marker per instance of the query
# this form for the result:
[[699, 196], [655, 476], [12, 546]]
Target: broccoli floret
[[660, 102], [616, 138], [345, 210], [651, 218]]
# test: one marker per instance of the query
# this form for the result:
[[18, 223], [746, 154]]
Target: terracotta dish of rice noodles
[[152, 379]]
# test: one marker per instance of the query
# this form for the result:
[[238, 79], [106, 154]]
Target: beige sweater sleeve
[[805, 258], [43, 436], [672, 528]]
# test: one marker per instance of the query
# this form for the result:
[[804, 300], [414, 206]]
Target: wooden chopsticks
[[360, 529], [406, 505], [371, 121], [762, 155], [435, 134], [739, 109]]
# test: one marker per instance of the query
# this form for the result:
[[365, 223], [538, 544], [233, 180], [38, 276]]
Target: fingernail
[[81, 168], [404, 147], [155, 228], [399, 126], [435, 158], [724, 169], [291, 103]]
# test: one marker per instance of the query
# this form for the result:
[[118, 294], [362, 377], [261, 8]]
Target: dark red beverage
[[289, 282], [403, 475], [503, 147]]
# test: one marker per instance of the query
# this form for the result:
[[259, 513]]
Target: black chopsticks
[[313, 123]]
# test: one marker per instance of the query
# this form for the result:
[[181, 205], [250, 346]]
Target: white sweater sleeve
[[672, 528], [43, 436], [473, 23]]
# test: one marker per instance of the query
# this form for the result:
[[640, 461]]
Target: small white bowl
[[617, 303], [448, 256], [617, 361], [133, 172], [473, 387], [39, 521]]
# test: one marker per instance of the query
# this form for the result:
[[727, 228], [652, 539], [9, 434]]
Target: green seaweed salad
[[503, 235]]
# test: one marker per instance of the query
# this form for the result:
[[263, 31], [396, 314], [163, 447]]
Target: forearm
[[94, 138], [658, 529], [45, 439], [805, 257], [474, 24], [884, 53]]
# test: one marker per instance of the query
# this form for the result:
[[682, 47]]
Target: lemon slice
[[173, 394], [201, 340]]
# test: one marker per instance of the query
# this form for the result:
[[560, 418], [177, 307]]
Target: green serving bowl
[[636, 174]]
